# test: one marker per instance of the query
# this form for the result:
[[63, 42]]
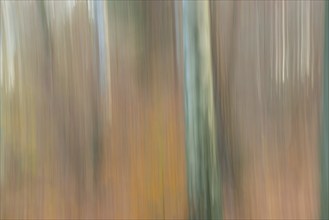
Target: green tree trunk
[[203, 166]]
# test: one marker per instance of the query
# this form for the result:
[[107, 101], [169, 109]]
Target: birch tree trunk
[[202, 158]]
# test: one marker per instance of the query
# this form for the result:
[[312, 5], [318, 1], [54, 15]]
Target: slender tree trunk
[[203, 167]]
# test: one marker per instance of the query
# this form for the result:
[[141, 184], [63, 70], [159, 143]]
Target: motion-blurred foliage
[[163, 109]]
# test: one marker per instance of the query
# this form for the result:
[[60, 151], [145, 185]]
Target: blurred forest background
[[163, 109]]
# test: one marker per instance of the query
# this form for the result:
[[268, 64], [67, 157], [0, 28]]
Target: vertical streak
[[203, 167], [101, 42], [178, 32], [325, 138], [283, 43], [276, 42], [9, 31], [301, 43], [108, 59], [2, 157], [308, 33], [1, 64]]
